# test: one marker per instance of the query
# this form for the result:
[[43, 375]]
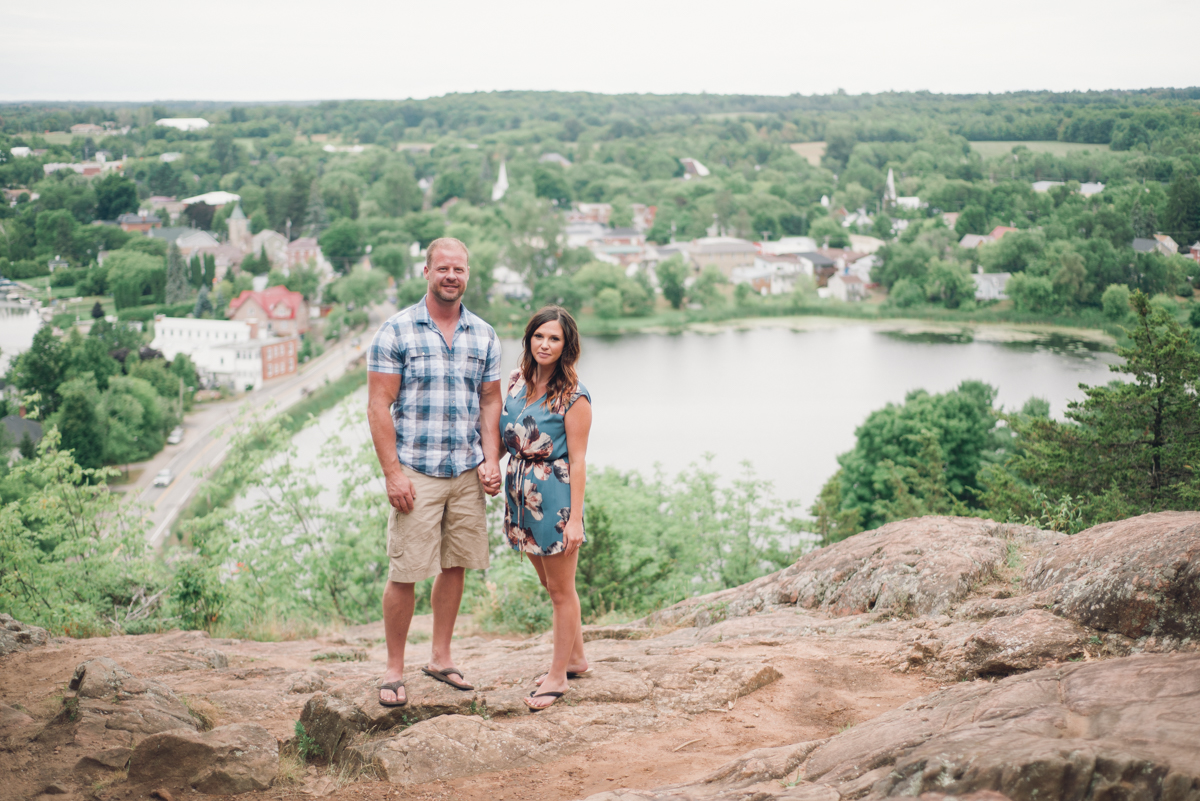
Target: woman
[[545, 423]]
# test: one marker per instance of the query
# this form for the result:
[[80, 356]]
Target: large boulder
[[17, 636], [919, 566], [238, 758], [1136, 577]]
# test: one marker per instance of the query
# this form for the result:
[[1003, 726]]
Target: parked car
[[163, 478], [176, 436]]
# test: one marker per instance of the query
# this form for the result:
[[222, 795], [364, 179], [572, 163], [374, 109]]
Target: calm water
[[18, 324], [786, 401]]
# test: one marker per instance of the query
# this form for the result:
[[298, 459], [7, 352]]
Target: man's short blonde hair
[[445, 242]]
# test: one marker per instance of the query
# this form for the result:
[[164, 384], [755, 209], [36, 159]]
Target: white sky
[[303, 49]]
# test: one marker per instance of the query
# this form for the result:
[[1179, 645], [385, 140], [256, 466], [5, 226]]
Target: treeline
[[1127, 449]]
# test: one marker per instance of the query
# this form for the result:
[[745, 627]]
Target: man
[[433, 402]]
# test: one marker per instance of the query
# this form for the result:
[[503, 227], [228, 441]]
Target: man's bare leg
[[399, 601], [445, 600]]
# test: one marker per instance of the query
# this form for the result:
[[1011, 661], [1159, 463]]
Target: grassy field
[[992, 149], [812, 151]]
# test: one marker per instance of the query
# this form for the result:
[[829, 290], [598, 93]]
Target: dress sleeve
[[580, 392], [513, 378]]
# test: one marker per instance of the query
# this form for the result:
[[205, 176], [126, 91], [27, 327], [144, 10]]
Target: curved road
[[201, 448]]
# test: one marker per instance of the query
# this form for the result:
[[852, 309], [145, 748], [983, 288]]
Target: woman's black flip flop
[[553, 695]]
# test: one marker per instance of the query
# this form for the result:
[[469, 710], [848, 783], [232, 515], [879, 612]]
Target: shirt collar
[[423, 316]]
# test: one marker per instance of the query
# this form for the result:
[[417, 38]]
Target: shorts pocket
[[397, 521]]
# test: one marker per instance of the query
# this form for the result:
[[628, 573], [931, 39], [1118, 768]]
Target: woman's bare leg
[[577, 662], [558, 576]]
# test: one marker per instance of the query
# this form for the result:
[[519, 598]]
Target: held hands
[[489, 477], [401, 492], [572, 535]]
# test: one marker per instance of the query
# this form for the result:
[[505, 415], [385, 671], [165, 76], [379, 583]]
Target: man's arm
[[382, 391], [490, 404]]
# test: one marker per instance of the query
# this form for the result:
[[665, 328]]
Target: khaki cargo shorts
[[446, 528]]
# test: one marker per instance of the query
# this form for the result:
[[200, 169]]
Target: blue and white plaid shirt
[[437, 411]]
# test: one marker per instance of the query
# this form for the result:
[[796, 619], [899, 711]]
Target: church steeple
[[239, 229]]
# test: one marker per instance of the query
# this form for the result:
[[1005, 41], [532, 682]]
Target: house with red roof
[[1000, 230], [284, 312]]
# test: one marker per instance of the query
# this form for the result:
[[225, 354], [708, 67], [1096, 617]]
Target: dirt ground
[[827, 685]]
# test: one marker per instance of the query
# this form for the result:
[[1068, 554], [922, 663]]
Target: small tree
[[672, 274], [177, 283], [608, 304], [203, 304], [97, 311]]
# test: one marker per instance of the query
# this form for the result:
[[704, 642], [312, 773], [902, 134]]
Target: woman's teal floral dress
[[537, 483]]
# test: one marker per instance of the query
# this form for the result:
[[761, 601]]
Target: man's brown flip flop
[[393, 686], [444, 675]]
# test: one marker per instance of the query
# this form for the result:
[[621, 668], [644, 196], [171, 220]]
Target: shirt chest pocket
[[424, 367], [472, 367]]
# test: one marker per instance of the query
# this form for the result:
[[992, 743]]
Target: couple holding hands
[[439, 418]]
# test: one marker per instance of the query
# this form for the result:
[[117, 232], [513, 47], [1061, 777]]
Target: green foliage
[[72, 553], [921, 457], [1182, 218], [707, 288], [1115, 302], [177, 289], [343, 243], [608, 303], [306, 746], [197, 596], [672, 274], [1127, 448], [361, 287], [115, 195], [136, 278]]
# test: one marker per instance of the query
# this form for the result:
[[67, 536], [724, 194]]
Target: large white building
[[226, 352], [184, 123]]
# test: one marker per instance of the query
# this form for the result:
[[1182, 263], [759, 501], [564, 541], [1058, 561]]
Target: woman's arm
[[578, 423]]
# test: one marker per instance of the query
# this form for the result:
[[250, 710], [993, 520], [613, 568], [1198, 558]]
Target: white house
[[771, 274], [226, 352], [990, 286], [846, 287], [789, 244], [184, 123]]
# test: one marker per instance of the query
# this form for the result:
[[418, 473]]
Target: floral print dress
[[537, 482]]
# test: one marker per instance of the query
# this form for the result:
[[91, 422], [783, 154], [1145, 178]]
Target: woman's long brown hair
[[562, 384]]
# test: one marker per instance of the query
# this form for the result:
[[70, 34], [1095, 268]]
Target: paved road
[[202, 449]]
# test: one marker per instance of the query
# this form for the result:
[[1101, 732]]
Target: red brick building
[[279, 358]]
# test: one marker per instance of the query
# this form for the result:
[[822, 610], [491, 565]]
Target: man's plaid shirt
[[437, 411]]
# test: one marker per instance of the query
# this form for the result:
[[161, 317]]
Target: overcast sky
[[304, 49]]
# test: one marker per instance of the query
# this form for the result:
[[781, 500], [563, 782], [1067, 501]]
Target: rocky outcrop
[[919, 566], [113, 710], [1124, 728], [620, 693], [1009, 645], [1137, 577], [238, 758], [17, 636]]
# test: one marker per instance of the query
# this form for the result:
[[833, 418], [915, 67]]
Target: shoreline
[[980, 331]]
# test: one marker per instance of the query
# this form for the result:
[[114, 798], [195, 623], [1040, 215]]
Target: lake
[[787, 396], [18, 324]]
